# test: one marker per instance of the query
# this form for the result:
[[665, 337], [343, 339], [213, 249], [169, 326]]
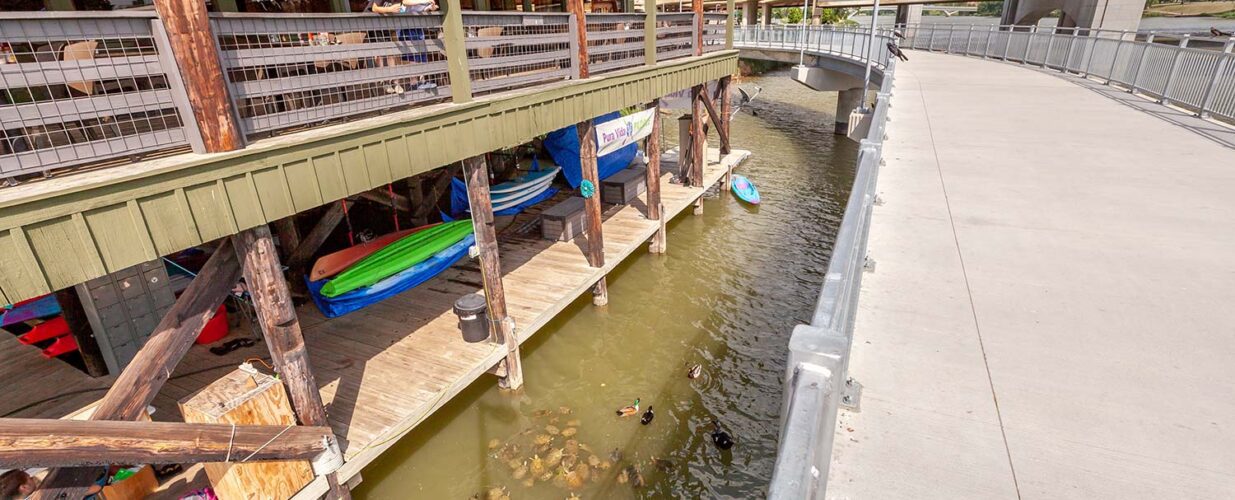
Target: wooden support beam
[[713, 114], [289, 241], [77, 443], [382, 197], [193, 45], [137, 385], [416, 198], [653, 171], [454, 39], [83, 333], [726, 110], [281, 328], [476, 173], [698, 154], [660, 241], [440, 184], [317, 236], [576, 7]]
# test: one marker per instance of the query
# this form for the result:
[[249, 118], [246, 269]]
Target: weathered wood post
[[576, 7], [272, 300], [698, 151], [476, 173], [722, 127], [655, 209], [193, 45], [150, 368], [591, 209], [697, 8], [83, 333]]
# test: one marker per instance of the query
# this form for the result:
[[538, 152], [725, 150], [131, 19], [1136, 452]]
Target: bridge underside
[[1048, 317]]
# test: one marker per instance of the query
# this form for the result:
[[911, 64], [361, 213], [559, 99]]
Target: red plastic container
[[215, 329]]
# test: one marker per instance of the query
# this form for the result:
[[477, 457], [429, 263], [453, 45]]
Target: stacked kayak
[[393, 269], [508, 198], [335, 263]]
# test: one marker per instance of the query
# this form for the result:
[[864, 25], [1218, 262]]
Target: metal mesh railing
[[614, 41], [1200, 79], [510, 50], [84, 89], [714, 25], [675, 35], [292, 71], [851, 43]]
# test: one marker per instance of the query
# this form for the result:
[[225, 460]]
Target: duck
[[721, 438], [647, 416], [694, 372], [627, 411], [1217, 32]]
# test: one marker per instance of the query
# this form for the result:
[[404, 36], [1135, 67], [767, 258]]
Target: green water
[[733, 284]]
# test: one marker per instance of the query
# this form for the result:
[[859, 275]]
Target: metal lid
[[470, 304]]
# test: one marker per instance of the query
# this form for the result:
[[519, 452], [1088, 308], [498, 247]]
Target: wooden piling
[[653, 171], [576, 7], [193, 45], [476, 173], [591, 208], [726, 110], [83, 333], [281, 328], [698, 152]]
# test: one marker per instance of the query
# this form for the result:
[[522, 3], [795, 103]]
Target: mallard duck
[[647, 416], [694, 372], [721, 438], [627, 411], [1217, 32]]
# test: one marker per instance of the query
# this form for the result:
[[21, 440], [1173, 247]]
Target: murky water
[[726, 296]]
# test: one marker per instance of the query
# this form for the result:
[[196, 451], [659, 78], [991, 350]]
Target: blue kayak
[[745, 190]]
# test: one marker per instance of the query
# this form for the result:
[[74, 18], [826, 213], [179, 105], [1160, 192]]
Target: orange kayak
[[335, 263]]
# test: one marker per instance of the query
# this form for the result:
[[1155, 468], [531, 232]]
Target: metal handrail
[[1193, 72], [816, 382]]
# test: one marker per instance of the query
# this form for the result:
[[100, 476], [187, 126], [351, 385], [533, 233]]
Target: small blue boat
[[745, 190]]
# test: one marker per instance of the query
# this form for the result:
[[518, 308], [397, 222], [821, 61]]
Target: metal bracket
[[851, 396]]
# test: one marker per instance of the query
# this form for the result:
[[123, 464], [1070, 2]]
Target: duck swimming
[[694, 372], [647, 416], [721, 438], [627, 411]]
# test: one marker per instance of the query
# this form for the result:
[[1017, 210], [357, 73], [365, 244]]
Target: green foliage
[[793, 15], [990, 9], [839, 17]]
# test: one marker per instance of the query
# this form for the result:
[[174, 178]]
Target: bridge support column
[[846, 102], [767, 15], [748, 12], [908, 14]]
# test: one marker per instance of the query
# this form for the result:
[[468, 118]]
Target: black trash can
[[473, 317]]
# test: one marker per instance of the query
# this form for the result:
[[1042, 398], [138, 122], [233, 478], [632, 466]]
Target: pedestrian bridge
[[1043, 311]]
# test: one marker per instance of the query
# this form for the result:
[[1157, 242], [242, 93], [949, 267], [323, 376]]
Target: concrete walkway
[[1052, 314]]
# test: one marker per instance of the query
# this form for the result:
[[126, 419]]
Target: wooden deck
[[384, 369]]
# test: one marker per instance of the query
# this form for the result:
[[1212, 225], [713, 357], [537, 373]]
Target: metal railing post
[[1007, 42], [1219, 68], [1091, 41], [986, 48], [1119, 44], [1170, 77], [968, 40], [1029, 43], [1050, 44], [1067, 60], [1136, 75]]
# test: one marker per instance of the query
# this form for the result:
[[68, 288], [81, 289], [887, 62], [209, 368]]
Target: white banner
[[613, 135]]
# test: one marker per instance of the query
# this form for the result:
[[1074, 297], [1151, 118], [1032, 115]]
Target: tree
[[990, 9], [836, 16], [793, 15]]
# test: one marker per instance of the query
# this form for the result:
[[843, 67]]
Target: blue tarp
[[389, 287], [563, 146]]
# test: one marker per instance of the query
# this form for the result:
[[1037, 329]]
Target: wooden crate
[[564, 221], [247, 398], [624, 186]]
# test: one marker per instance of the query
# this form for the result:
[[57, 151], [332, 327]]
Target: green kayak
[[395, 257]]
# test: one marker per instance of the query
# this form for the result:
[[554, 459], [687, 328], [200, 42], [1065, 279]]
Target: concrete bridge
[[1042, 312]]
